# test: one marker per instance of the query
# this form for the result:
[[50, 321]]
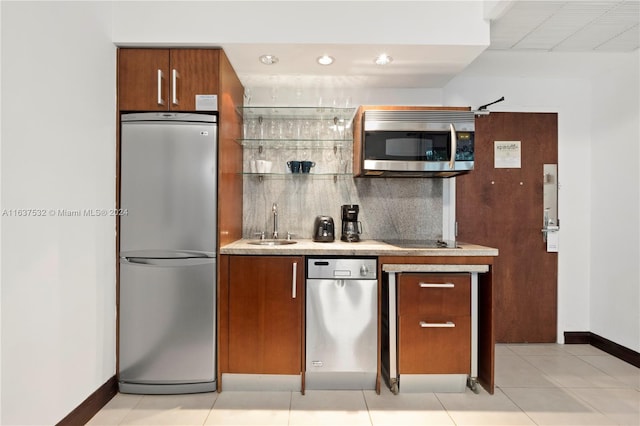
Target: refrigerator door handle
[[166, 254], [185, 261]]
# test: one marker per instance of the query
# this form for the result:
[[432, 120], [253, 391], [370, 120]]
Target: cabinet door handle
[[454, 146], [447, 324], [437, 285], [294, 280], [160, 78], [174, 82]]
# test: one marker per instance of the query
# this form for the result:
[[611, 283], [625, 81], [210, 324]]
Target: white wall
[[58, 152], [564, 83], [320, 21], [615, 204]]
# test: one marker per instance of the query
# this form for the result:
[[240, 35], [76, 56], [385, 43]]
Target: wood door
[[138, 79], [503, 208], [265, 320], [197, 75]]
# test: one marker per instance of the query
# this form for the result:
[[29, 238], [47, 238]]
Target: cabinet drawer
[[434, 294], [425, 347]]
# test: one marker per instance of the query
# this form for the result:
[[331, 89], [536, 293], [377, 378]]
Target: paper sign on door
[[507, 154]]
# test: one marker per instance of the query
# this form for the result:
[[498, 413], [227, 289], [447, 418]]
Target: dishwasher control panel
[[354, 268]]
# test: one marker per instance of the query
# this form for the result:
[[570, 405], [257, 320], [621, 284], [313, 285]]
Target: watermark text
[[63, 212]]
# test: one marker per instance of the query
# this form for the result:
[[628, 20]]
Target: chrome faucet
[[274, 210]]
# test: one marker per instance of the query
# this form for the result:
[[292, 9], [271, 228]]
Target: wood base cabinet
[[265, 315], [434, 323]]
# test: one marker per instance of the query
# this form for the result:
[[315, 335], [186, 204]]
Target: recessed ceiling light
[[383, 59], [325, 60], [269, 59]]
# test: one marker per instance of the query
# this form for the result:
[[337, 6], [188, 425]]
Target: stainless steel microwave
[[417, 143]]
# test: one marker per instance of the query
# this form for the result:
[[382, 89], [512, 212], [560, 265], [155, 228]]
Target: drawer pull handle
[[437, 285], [447, 324]]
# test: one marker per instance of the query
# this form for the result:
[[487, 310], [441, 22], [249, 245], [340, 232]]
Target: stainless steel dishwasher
[[341, 323]]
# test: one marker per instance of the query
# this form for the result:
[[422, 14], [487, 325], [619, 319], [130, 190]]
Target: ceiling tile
[[607, 25]]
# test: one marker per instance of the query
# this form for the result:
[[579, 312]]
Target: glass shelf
[[295, 143], [310, 113], [262, 176], [315, 128]]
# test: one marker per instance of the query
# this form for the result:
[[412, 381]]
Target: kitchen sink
[[272, 242]]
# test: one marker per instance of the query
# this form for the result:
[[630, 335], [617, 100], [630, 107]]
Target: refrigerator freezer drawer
[[167, 321]]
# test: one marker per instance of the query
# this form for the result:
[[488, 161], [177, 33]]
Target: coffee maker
[[351, 228]]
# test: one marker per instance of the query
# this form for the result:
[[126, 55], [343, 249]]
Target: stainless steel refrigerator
[[168, 169]]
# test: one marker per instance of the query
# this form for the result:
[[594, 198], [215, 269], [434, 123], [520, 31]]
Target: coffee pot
[[351, 228]]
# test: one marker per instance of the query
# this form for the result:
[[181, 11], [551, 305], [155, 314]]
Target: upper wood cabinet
[[165, 79]]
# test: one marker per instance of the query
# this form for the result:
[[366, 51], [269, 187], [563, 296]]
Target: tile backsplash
[[408, 208]]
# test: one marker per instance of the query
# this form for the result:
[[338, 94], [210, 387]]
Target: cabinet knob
[[364, 271]]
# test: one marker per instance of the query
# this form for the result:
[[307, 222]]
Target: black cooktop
[[422, 243]]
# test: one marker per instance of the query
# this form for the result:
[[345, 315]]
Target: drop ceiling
[[568, 26], [515, 26]]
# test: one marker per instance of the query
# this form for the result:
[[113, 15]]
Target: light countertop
[[362, 248]]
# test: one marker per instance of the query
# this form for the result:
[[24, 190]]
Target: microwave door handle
[[454, 147]]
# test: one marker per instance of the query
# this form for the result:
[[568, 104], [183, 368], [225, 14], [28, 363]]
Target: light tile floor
[[537, 384]]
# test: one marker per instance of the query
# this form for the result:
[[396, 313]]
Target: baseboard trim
[[577, 337], [606, 345], [90, 406]]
